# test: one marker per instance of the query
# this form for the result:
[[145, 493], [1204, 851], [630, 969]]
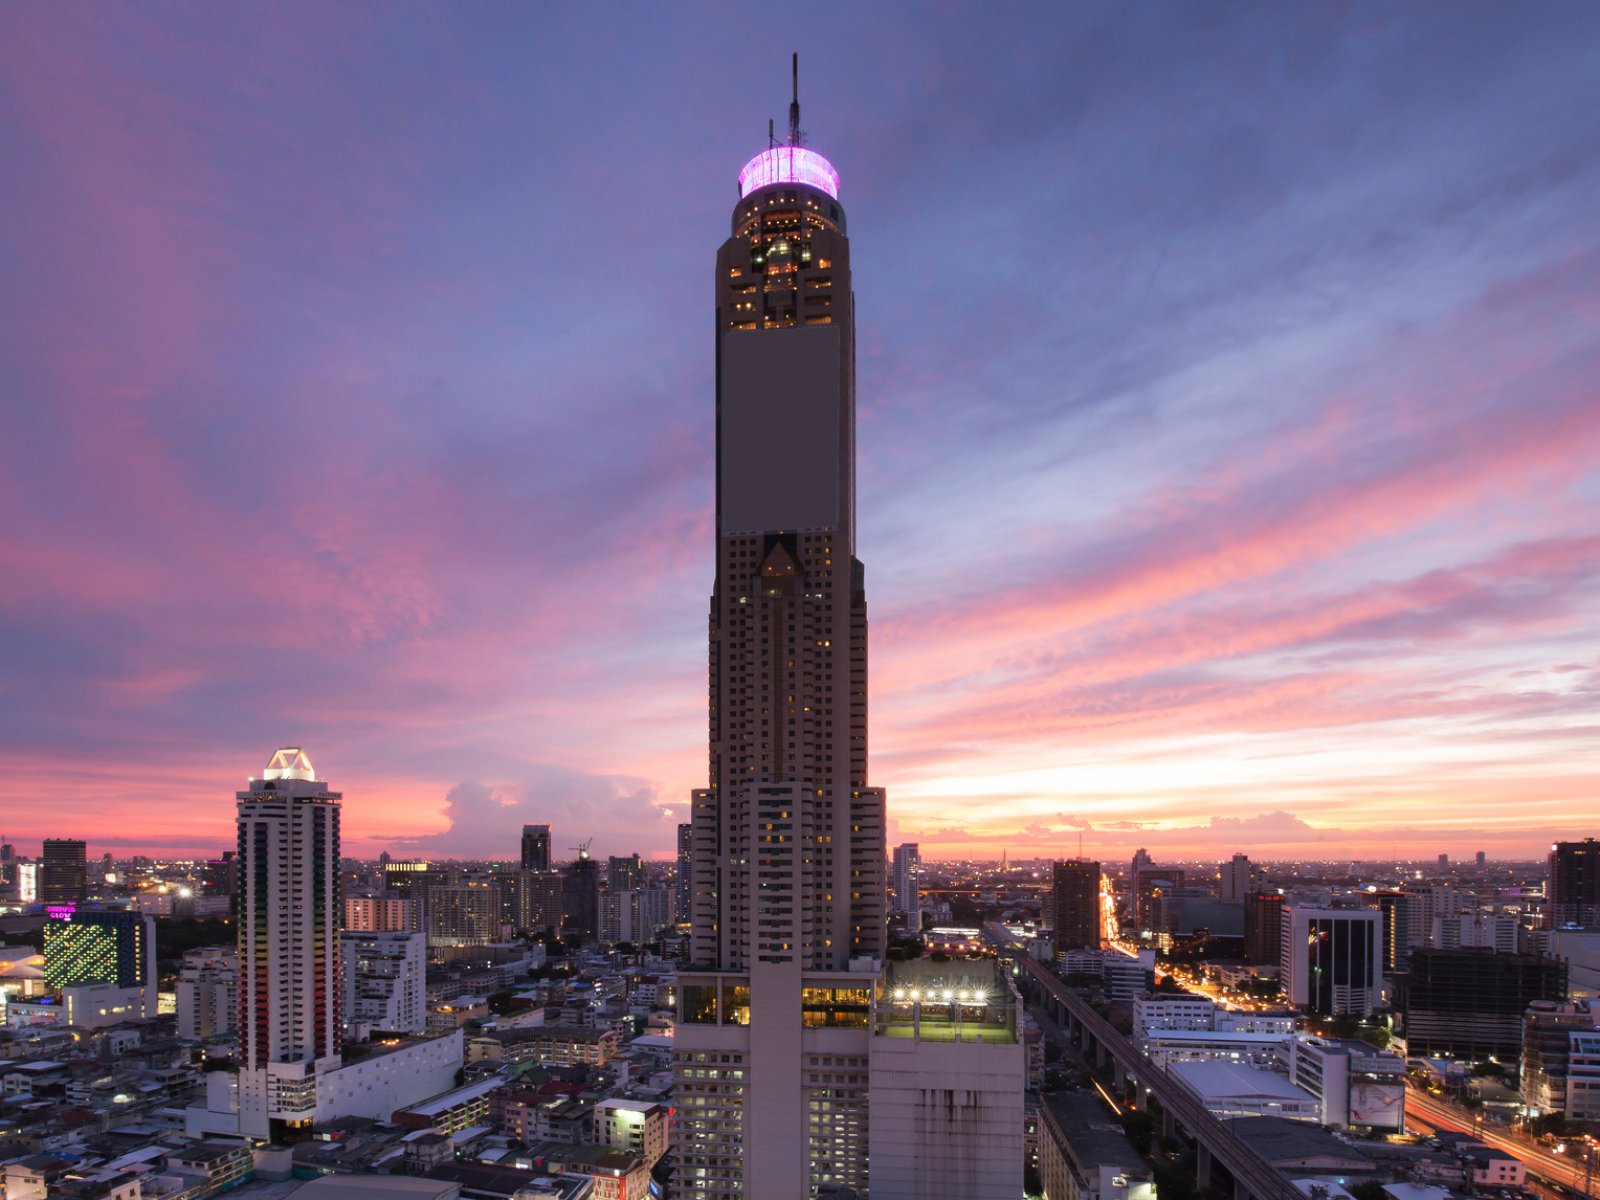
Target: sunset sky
[[1229, 432]]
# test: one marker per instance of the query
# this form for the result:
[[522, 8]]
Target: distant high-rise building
[[1141, 860], [384, 981], [1444, 862], [1239, 879], [1574, 887], [1152, 888], [291, 1070], [581, 896], [1263, 928], [468, 913], [775, 1042], [683, 884], [1394, 909], [115, 948], [290, 913], [219, 878], [1483, 859], [63, 872], [536, 847], [400, 876], [207, 992], [1329, 959], [907, 881], [541, 901], [380, 914], [624, 873], [634, 916], [1075, 905]]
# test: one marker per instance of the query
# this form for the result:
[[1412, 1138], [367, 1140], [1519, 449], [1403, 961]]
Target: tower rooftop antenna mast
[[794, 104]]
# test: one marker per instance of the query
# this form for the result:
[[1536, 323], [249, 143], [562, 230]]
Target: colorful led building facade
[[90, 946]]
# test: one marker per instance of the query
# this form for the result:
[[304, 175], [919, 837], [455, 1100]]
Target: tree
[[1368, 1189], [1375, 1035]]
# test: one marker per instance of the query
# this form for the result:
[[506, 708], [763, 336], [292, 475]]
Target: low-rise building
[[452, 1111], [1355, 1084], [223, 1165], [1234, 1090], [1084, 1155], [640, 1127], [559, 1045]]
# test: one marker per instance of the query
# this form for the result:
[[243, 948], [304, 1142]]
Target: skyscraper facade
[[624, 873], [785, 1011], [683, 886], [536, 847], [581, 896], [290, 910], [63, 872], [907, 881], [1075, 906], [789, 844], [1330, 959], [1574, 887]]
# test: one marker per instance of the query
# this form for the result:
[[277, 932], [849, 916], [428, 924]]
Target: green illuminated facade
[[99, 947]]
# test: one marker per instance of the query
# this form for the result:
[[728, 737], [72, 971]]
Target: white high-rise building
[[291, 1070], [784, 1013], [908, 885], [1239, 879], [208, 992], [385, 981], [1332, 960], [290, 911]]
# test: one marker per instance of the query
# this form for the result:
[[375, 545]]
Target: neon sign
[[789, 164]]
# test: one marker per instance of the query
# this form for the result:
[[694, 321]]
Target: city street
[[1540, 1160]]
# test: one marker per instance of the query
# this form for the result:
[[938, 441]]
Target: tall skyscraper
[[1075, 905], [536, 847], [291, 1070], [290, 910], [1574, 887], [908, 885], [683, 884], [785, 1013], [63, 872], [789, 837]]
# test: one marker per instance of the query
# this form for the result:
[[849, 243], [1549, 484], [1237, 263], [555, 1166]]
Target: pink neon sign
[[789, 164]]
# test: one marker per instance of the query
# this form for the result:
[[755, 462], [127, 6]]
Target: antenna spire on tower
[[794, 104]]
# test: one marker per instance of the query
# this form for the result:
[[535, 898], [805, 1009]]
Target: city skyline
[[1227, 453]]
